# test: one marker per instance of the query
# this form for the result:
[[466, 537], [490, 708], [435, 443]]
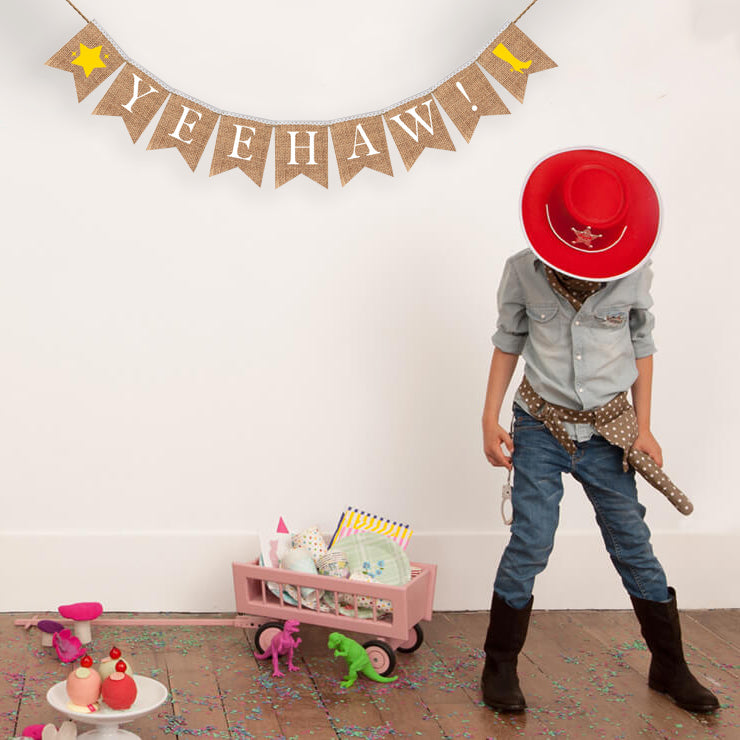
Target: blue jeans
[[539, 462]]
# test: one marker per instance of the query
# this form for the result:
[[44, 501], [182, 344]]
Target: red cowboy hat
[[590, 213]]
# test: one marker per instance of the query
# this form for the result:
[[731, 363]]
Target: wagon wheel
[[381, 656], [265, 633], [413, 642]]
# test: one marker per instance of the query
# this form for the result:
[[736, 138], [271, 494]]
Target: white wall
[[183, 358]]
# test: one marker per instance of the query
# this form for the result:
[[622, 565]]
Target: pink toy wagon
[[398, 630]]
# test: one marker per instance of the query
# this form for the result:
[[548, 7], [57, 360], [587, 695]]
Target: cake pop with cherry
[[108, 664], [119, 689], [83, 686]]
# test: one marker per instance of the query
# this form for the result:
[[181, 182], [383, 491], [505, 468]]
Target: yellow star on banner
[[89, 59]]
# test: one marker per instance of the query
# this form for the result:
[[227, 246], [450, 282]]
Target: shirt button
[[578, 323], [578, 357], [580, 390], [542, 316]]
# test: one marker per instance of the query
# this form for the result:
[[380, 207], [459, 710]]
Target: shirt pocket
[[544, 323], [609, 331], [611, 317], [542, 312]]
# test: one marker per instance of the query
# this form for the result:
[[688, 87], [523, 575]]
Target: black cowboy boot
[[504, 640], [668, 670]]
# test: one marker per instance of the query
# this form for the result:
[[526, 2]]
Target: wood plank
[[195, 694], [580, 664], [584, 675], [554, 686], [698, 638], [139, 646], [725, 623], [368, 708], [349, 710], [422, 679], [621, 633], [457, 640], [15, 643], [42, 669], [294, 698], [432, 668], [247, 707]]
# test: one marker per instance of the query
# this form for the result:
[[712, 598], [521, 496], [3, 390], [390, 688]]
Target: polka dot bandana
[[617, 423], [574, 290]]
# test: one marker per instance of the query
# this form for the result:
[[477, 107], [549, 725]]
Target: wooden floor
[[584, 675]]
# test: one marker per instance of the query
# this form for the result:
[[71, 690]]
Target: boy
[[577, 308]]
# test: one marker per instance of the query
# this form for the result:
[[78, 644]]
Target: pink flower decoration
[[68, 647]]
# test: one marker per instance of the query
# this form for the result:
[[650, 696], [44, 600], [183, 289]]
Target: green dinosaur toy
[[357, 660]]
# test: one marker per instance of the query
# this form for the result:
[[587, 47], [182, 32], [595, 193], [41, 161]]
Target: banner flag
[[415, 126], [511, 58], [135, 97], [90, 57], [466, 97], [361, 143], [301, 149], [185, 125], [244, 144]]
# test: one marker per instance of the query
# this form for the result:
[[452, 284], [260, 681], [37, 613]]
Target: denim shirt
[[575, 359]]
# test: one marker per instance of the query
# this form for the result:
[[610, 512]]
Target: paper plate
[[376, 556]]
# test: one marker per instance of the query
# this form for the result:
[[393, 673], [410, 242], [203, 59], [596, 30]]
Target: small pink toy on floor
[[283, 643], [68, 647]]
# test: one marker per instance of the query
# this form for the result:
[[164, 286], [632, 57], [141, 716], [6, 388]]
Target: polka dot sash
[[617, 423]]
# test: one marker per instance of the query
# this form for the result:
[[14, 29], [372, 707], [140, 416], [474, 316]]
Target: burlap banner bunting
[[466, 97], [415, 126], [301, 150], [135, 97], [243, 142], [186, 126], [90, 57], [361, 143], [511, 57]]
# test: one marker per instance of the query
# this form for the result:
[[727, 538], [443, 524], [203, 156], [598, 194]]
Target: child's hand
[[493, 437], [646, 443]]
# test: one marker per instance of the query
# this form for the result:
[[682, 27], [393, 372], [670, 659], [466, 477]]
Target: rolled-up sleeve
[[642, 320], [511, 327]]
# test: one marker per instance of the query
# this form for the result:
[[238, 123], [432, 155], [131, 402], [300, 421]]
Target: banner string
[[77, 10], [271, 122], [515, 19]]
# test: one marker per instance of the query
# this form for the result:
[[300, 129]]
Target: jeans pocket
[[523, 420]]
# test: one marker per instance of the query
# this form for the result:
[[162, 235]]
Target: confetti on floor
[[584, 674]]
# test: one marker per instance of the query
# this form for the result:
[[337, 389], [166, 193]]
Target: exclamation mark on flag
[[467, 97]]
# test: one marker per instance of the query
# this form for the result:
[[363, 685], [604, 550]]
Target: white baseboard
[[191, 571]]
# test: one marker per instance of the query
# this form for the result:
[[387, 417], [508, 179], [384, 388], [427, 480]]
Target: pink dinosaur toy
[[282, 643]]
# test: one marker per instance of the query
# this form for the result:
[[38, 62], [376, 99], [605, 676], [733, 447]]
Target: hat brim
[[642, 219]]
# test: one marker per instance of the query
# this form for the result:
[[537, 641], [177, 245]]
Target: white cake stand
[[150, 695]]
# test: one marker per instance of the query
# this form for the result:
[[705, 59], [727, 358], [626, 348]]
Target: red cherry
[[121, 666], [115, 653], [86, 661]]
